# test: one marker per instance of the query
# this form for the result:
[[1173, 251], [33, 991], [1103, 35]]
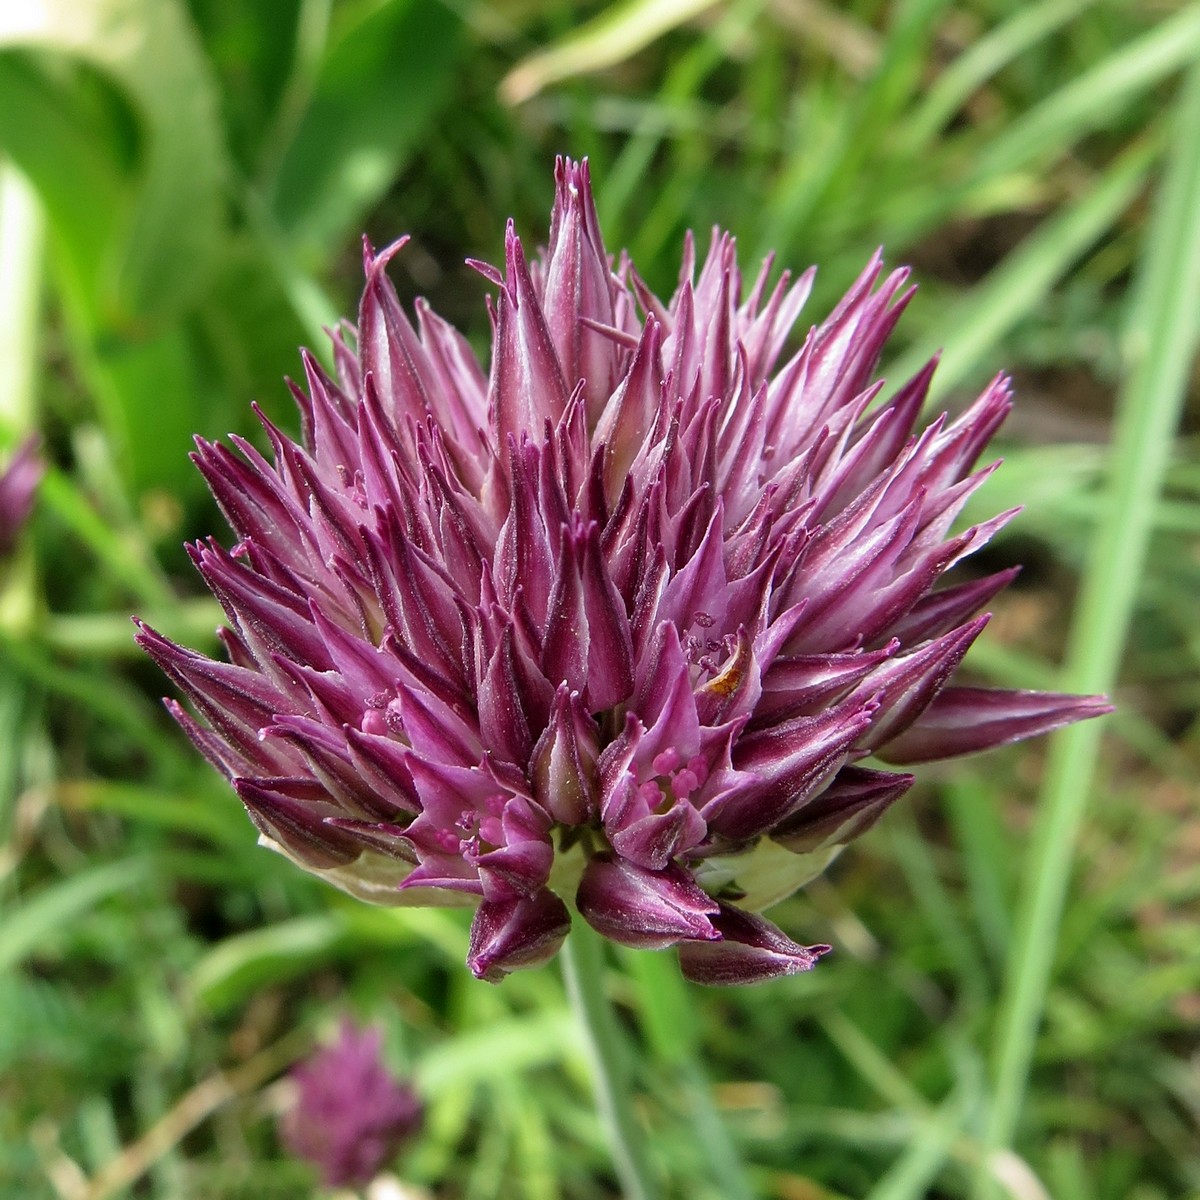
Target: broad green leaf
[[149, 52], [378, 88], [60, 144]]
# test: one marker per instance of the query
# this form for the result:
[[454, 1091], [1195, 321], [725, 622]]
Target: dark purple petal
[[563, 768], [510, 935], [778, 769], [750, 950], [298, 825], [527, 387], [846, 809], [904, 687], [644, 909]]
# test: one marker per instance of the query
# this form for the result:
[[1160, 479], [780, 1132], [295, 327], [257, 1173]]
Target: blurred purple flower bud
[[18, 485], [612, 619], [350, 1115]]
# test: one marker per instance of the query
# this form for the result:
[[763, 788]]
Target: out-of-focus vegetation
[[184, 187]]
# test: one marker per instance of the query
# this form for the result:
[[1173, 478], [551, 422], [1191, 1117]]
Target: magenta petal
[[628, 590], [751, 950], [522, 865], [648, 910], [655, 839], [510, 935], [778, 769], [964, 720]]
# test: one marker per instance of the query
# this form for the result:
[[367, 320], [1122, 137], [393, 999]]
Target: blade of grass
[[912, 1175], [1027, 275], [1161, 342], [30, 924], [668, 1018], [809, 186], [983, 59], [610, 38], [1084, 103], [122, 552]]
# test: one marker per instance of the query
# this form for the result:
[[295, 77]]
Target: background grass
[[1013, 1002]]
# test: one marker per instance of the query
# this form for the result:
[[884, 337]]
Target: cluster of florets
[[612, 626], [349, 1115]]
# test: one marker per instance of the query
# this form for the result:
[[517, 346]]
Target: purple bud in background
[[609, 620], [18, 485], [350, 1116]]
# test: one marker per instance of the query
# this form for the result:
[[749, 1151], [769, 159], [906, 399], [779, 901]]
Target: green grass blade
[[1027, 275], [610, 38], [1089, 99], [983, 59], [912, 1175], [1161, 343], [36, 919]]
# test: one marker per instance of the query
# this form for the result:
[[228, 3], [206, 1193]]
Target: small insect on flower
[[350, 1116], [613, 625]]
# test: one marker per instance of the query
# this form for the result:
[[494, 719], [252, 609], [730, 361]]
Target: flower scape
[[612, 625]]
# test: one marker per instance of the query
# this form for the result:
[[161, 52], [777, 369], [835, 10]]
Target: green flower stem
[[666, 1013], [583, 972], [1161, 342]]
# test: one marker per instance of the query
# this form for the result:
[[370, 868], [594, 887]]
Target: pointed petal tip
[[966, 720], [751, 950], [513, 935]]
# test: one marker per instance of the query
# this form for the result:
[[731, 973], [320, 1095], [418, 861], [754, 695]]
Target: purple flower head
[[18, 484], [350, 1116], [612, 624]]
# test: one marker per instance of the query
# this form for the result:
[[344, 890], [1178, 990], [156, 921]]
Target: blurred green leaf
[[240, 965], [34, 920], [613, 36], [149, 52], [379, 87]]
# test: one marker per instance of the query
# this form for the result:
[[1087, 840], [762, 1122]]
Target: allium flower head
[[614, 623], [350, 1116], [18, 484]]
